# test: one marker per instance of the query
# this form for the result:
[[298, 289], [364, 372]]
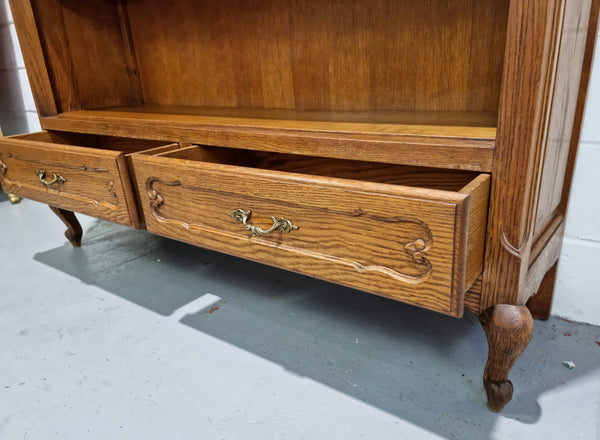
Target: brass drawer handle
[[57, 178], [279, 225]]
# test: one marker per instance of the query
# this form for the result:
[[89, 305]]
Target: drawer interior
[[125, 145], [429, 178]]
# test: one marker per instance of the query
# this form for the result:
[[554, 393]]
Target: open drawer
[[77, 172], [412, 234]]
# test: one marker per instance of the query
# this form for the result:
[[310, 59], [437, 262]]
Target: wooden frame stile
[[530, 29], [534, 40], [547, 41], [540, 303]]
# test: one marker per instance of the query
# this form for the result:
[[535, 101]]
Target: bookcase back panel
[[430, 55], [325, 55]]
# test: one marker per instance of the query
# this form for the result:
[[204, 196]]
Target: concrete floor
[[135, 336]]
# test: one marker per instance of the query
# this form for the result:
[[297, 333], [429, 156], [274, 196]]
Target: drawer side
[[479, 189]]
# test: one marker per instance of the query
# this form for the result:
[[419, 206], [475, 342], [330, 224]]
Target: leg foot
[[74, 231], [14, 199], [508, 329]]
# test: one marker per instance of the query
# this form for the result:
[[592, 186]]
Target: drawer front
[[91, 181], [408, 244]]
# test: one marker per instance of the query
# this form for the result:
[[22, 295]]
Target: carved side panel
[[563, 105], [543, 65]]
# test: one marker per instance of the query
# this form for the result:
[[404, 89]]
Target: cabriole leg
[[508, 329], [74, 231]]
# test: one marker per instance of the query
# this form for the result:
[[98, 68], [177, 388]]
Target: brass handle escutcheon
[[57, 178], [279, 225]]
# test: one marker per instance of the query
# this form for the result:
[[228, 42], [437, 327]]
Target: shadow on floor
[[417, 365]]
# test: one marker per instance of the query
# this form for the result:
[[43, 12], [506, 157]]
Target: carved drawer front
[[82, 173], [411, 234]]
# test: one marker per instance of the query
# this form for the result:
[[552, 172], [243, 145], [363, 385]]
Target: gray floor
[[135, 336]]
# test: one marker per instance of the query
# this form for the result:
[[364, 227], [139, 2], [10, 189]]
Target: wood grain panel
[[473, 297], [546, 259], [333, 54], [563, 106], [540, 304], [479, 189], [88, 60], [100, 61], [581, 102], [444, 140], [55, 45]]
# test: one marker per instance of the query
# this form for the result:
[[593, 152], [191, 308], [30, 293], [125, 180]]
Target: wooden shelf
[[455, 140]]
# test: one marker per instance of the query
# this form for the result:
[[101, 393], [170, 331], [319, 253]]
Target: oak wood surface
[[85, 53], [479, 189], [565, 94], [581, 102], [54, 40], [534, 41], [508, 329], [446, 140], [97, 181], [540, 304], [348, 233], [74, 231], [334, 55], [419, 177], [473, 297], [131, 173], [459, 124], [541, 241], [547, 257], [94, 142], [526, 78], [130, 58]]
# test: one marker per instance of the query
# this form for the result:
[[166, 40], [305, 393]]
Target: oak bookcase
[[421, 151]]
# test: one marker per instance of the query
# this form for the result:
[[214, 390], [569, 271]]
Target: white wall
[[17, 108], [578, 287]]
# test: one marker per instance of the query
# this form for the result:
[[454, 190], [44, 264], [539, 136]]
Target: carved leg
[[540, 304], [14, 199], [508, 329], [74, 231]]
